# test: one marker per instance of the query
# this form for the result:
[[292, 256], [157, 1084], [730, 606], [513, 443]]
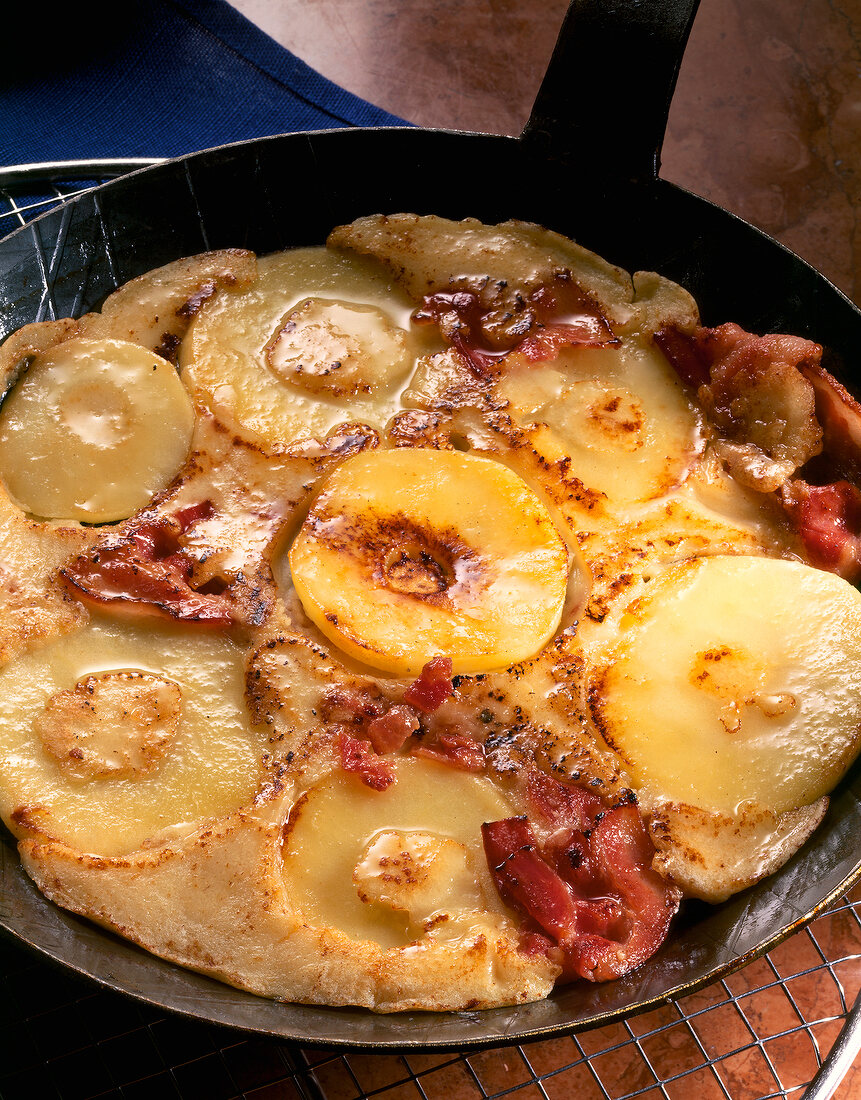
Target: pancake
[[401, 681]]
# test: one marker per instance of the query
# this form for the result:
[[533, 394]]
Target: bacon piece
[[756, 395], [828, 521], [456, 749], [432, 687], [620, 855], [389, 732], [534, 943], [590, 887], [565, 316], [525, 879], [558, 805], [367, 712], [685, 356], [146, 566], [359, 757], [839, 414], [557, 315]]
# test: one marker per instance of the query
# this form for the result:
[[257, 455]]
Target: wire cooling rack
[[783, 1027]]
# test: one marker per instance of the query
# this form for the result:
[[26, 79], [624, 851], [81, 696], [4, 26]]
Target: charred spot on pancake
[[112, 725]]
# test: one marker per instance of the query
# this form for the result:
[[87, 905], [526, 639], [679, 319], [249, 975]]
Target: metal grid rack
[[761, 1034], [783, 1027]]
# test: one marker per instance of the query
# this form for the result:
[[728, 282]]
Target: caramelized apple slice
[[93, 430], [619, 413], [409, 554]]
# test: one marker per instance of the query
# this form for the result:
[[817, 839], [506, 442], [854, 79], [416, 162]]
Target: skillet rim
[[472, 1021]]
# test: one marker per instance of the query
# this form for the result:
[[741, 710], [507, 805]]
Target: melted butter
[[333, 828], [211, 767]]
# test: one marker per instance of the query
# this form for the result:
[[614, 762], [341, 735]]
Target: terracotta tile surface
[[766, 121]]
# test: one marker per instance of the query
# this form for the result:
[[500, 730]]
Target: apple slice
[[413, 553], [93, 430]]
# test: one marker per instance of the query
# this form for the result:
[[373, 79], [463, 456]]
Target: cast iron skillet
[[586, 165]]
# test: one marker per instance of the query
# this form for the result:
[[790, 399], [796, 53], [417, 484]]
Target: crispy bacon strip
[[839, 414], [590, 888], [565, 316], [359, 757], [828, 521], [558, 315], [525, 879], [432, 687], [145, 566]]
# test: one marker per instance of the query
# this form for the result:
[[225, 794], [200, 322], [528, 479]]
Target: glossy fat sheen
[[117, 413], [410, 554], [761, 660]]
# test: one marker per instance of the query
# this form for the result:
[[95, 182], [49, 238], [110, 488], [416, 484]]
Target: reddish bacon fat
[[828, 520], [839, 414], [759, 380], [146, 567], [588, 887], [369, 726], [361, 758], [551, 318]]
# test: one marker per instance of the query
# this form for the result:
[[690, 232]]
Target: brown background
[[766, 119]]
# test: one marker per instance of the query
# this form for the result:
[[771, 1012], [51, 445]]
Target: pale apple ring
[[117, 413], [249, 356], [731, 678], [201, 777]]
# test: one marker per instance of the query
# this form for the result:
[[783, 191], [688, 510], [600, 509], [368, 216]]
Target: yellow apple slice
[[619, 413], [339, 835], [737, 681], [93, 430], [414, 553], [317, 340], [182, 691]]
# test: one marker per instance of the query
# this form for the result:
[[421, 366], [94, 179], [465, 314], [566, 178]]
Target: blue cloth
[[154, 78]]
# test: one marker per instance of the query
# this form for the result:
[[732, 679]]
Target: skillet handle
[[606, 94]]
